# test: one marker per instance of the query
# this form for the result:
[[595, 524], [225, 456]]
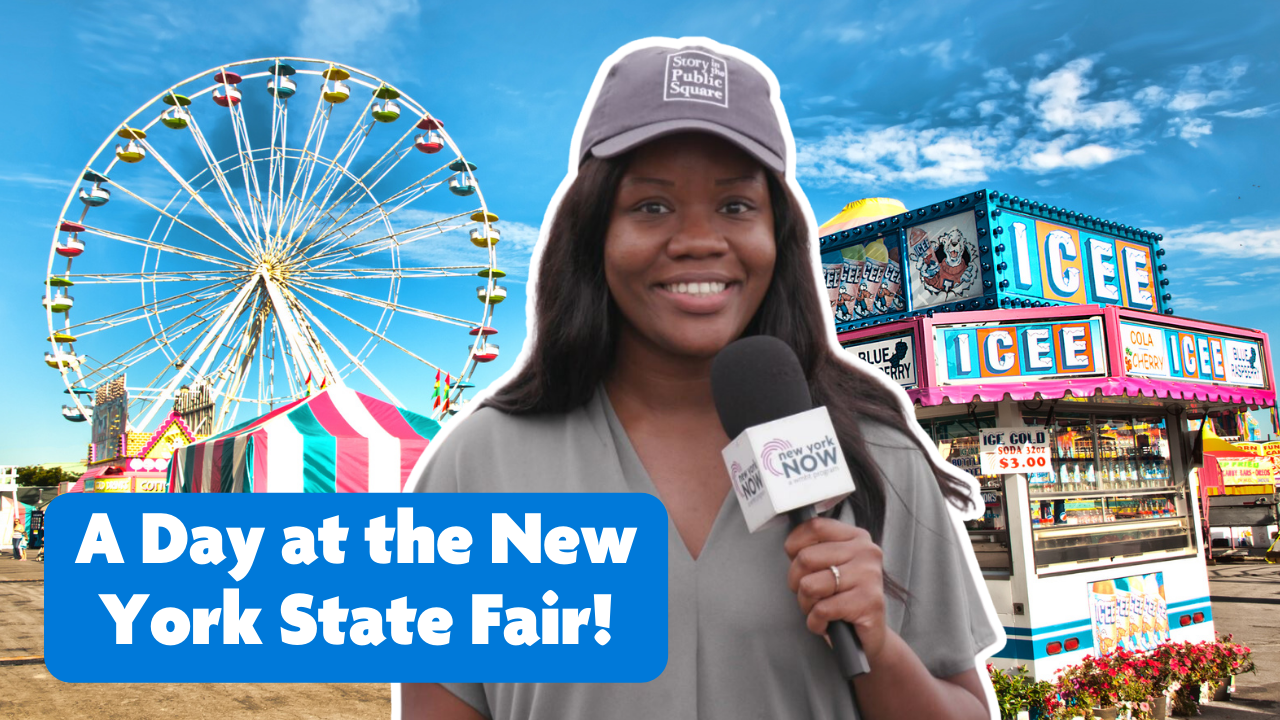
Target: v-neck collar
[[637, 479]]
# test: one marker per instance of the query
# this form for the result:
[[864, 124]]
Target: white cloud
[[1254, 112], [1189, 129], [1218, 281], [1244, 239], [1053, 155], [1059, 100], [1188, 101], [940, 51], [845, 34], [40, 181], [1185, 303], [339, 28], [988, 107], [1000, 79], [1151, 95], [931, 157]]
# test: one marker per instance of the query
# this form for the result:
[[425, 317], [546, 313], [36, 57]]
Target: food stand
[[122, 460], [1041, 354]]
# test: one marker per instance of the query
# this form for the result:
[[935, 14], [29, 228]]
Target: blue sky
[[1160, 115]]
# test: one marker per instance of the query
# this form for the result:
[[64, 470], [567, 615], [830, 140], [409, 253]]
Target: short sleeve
[[944, 616]]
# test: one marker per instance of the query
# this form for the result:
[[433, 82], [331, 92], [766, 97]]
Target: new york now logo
[[787, 462]]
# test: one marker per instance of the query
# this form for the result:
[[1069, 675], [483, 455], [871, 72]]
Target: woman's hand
[[817, 545]]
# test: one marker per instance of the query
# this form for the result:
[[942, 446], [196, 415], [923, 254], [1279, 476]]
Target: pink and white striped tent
[[337, 440]]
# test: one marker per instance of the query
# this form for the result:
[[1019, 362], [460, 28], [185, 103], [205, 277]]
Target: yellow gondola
[[482, 239]]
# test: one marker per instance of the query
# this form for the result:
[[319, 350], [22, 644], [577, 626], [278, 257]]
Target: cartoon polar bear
[[952, 253]]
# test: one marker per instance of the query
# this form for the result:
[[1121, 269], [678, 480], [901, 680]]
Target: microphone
[[783, 458]]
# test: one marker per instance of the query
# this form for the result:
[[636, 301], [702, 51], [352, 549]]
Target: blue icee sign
[[356, 588]]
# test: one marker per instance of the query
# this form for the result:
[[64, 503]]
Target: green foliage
[[36, 476], [1016, 691]]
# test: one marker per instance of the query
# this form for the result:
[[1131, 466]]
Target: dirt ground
[[29, 692]]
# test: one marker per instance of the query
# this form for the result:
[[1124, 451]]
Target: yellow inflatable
[[861, 212]]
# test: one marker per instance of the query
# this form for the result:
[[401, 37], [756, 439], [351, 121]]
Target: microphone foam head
[[756, 380]]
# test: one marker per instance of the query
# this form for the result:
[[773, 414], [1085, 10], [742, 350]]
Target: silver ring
[[836, 572]]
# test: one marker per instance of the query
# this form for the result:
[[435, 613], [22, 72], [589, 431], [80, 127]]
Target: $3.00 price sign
[[1006, 451]]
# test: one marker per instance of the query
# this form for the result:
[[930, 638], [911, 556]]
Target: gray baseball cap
[[657, 91]]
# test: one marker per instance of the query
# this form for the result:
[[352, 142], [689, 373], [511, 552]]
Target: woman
[[19, 542], [678, 235]]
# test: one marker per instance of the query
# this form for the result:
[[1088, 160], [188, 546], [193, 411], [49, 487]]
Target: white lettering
[[1104, 272], [123, 615], [100, 538]]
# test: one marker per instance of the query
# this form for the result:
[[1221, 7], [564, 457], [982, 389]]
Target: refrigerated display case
[[1110, 493]]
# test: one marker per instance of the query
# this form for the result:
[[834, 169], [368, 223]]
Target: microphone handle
[[849, 655]]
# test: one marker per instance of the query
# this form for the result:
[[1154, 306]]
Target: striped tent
[[337, 440]]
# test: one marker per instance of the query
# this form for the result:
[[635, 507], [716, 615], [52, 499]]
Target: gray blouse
[[738, 645]]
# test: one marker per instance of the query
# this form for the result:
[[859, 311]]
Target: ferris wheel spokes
[[244, 245], [369, 330], [310, 210], [375, 213], [387, 305], [193, 254], [227, 313], [249, 170], [155, 276], [352, 359], [378, 244], [114, 320], [108, 368], [224, 185], [413, 273]]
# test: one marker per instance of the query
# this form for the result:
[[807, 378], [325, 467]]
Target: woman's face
[[690, 250]]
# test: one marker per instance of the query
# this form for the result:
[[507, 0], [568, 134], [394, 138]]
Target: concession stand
[[1042, 356], [123, 460]]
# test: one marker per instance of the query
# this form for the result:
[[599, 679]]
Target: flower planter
[[1186, 701], [1160, 707], [1106, 713], [1222, 691]]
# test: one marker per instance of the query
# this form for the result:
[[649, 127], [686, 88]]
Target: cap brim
[[635, 138]]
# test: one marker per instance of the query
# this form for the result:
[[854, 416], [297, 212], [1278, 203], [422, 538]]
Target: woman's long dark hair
[[576, 331]]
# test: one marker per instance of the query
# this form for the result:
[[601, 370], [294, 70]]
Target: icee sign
[[1188, 355], [1065, 263], [984, 353], [356, 588]]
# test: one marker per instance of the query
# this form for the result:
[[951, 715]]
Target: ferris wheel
[[231, 246]]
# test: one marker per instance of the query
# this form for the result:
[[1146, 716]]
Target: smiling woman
[[689, 252], [680, 230]]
